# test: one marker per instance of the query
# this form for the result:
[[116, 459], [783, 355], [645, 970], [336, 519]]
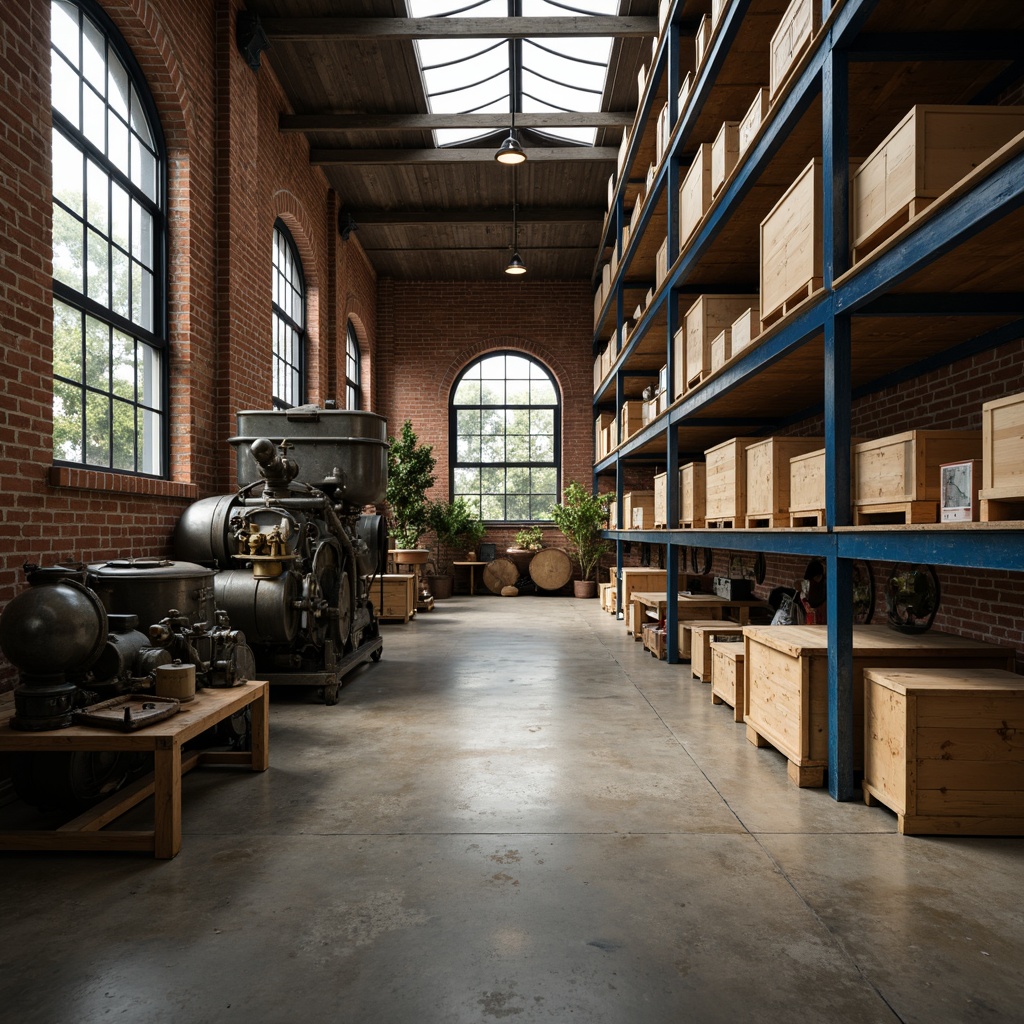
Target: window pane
[[492, 481], [123, 366], [117, 86], [150, 370], [97, 354], [67, 174], [124, 436], [94, 50], [140, 124], [97, 430], [517, 506], [467, 481], [542, 392], [469, 448], [117, 143], [68, 242], [468, 421], [96, 182], [67, 342], [67, 422], [544, 481], [492, 449], [66, 85], [98, 268], [467, 393], [120, 282], [150, 432], [492, 506], [94, 119], [542, 448], [64, 29]]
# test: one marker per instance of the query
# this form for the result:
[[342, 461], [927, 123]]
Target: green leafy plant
[[530, 538], [451, 521], [581, 517], [410, 476], [474, 533]]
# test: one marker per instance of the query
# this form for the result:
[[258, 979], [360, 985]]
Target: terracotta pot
[[584, 588], [442, 587]]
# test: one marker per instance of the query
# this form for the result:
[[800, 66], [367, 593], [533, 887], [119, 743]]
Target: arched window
[[353, 378], [109, 276], [505, 430], [289, 322]]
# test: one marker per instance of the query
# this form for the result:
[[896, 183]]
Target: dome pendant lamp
[[516, 265], [511, 152]]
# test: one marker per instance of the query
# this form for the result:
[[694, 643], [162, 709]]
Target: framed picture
[[959, 491]]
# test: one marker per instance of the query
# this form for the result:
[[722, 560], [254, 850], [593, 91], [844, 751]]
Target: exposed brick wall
[[230, 174]]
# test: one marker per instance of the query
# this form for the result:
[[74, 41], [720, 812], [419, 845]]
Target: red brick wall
[[231, 174]]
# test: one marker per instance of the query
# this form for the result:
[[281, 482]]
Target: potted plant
[[528, 542], [449, 521], [582, 517], [410, 476], [472, 535]]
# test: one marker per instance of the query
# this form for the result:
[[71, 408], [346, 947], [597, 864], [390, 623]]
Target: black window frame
[[353, 385], [279, 314]]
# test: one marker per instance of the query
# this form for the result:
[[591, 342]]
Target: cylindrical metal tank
[[345, 452], [264, 609], [202, 533], [150, 587]]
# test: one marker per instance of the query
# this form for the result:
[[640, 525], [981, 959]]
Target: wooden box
[[791, 261], [687, 638], [702, 633], [684, 93], [641, 578], [637, 501], [786, 681], [679, 355], [631, 419], [727, 662], [692, 495], [899, 475], [661, 264], [768, 477], [695, 193], [928, 152], [654, 640], [662, 132], [958, 491], [599, 298], [794, 34], [1002, 477], [724, 154], [720, 349], [661, 499], [752, 121], [725, 483], [807, 488], [706, 318], [601, 424], [702, 39], [398, 602], [745, 328], [717, 10], [943, 749]]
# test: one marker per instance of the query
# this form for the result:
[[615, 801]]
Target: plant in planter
[[530, 538], [581, 517], [450, 520], [472, 535], [410, 476]]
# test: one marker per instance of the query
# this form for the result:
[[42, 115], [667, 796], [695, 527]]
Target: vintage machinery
[[295, 555]]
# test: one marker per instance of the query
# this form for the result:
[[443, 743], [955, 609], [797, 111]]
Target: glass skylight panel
[[473, 75]]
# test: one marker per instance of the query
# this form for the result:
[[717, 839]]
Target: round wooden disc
[[551, 569], [502, 572]]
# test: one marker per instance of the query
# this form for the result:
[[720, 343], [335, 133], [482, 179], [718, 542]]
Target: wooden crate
[[654, 638], [725, 483], [679, 355], [601, 424], [644, 578], [942, 749], [727, 662], [768, 477], [786, 683], [684, 93], [701, 40], [660, 499], [695, 193], [701, 635], [807, 487], [928, 152], [637, 501], [721, 349], [898, 476], [1002, 475], [631, 418], [606, 594], [717, 10], [663, 129], [708, 316], [745, 328], [752, 120], [794, 34], [692, 495], [724, 154], [398, 602], [791, 261], [661, 264]]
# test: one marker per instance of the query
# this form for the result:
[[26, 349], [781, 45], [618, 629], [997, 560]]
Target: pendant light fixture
[[515, 265], [510, 152]]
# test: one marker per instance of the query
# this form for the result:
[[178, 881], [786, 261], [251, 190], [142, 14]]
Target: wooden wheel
[[502, 572], [551, 569]]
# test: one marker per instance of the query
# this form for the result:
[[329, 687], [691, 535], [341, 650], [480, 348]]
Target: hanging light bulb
[[510, 151], [515, 265]]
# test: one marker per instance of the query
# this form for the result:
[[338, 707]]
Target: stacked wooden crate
[[1002, 482], [768, 469], [725, 483]]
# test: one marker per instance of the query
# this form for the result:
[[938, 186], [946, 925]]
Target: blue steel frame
[[825, 72]]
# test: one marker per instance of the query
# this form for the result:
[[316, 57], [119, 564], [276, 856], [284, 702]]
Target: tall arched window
[[505, 430], [353, 374], [109, 276], [289, 322]]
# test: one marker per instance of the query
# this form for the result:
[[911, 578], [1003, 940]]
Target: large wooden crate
[[791, 260], [631, 418], [768, 477], [702, 633], [721, 349], [727, 661], [661, 499], [752, 120], [695, 193], [637, 501], [928, 152], [725, 483], [679, 354], [1002, 473], [897, 478], [745, 328], [942, 749], [397, 603], [724, 154], [701, 40], [708, 316], [794, 34], [692, 497], [786, 681]]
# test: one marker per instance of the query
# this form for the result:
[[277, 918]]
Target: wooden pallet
[[1002, 510], [803, 293], [720, 524], [810, 776], [691, 524], [897, 512], [767, 522], [807, 517], [898, 220]]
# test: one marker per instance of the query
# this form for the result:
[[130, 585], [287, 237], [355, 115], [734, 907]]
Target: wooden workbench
[[690, 606], [164, 740]]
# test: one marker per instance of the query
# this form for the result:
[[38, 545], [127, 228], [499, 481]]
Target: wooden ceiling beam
[[482, 215], [428, 122], [323, 157], [328, 29]]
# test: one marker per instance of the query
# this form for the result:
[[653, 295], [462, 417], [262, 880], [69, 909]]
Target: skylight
[[476, 75]]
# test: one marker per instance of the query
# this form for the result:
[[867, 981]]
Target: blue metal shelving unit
[[824, 74]]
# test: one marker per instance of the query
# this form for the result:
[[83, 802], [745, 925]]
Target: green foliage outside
[[453, 522], [531, 538], [581, 517], [410, 476]]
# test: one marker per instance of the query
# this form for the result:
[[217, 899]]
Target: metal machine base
[[330, 682]]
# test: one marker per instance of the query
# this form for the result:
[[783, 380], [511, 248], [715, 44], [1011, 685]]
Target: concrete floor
[[518, 815]]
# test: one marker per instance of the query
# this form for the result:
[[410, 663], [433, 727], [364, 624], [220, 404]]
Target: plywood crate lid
[[813, 640], [915, 435], [733, 651], [923, 682]]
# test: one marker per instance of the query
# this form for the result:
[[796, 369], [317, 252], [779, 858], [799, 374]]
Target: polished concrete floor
[[518, 815]]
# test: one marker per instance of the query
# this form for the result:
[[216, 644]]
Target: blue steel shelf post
[[839, 575]]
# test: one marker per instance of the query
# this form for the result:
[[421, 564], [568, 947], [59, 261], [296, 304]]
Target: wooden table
[[472, 573], [690, 606], [164, 740]]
